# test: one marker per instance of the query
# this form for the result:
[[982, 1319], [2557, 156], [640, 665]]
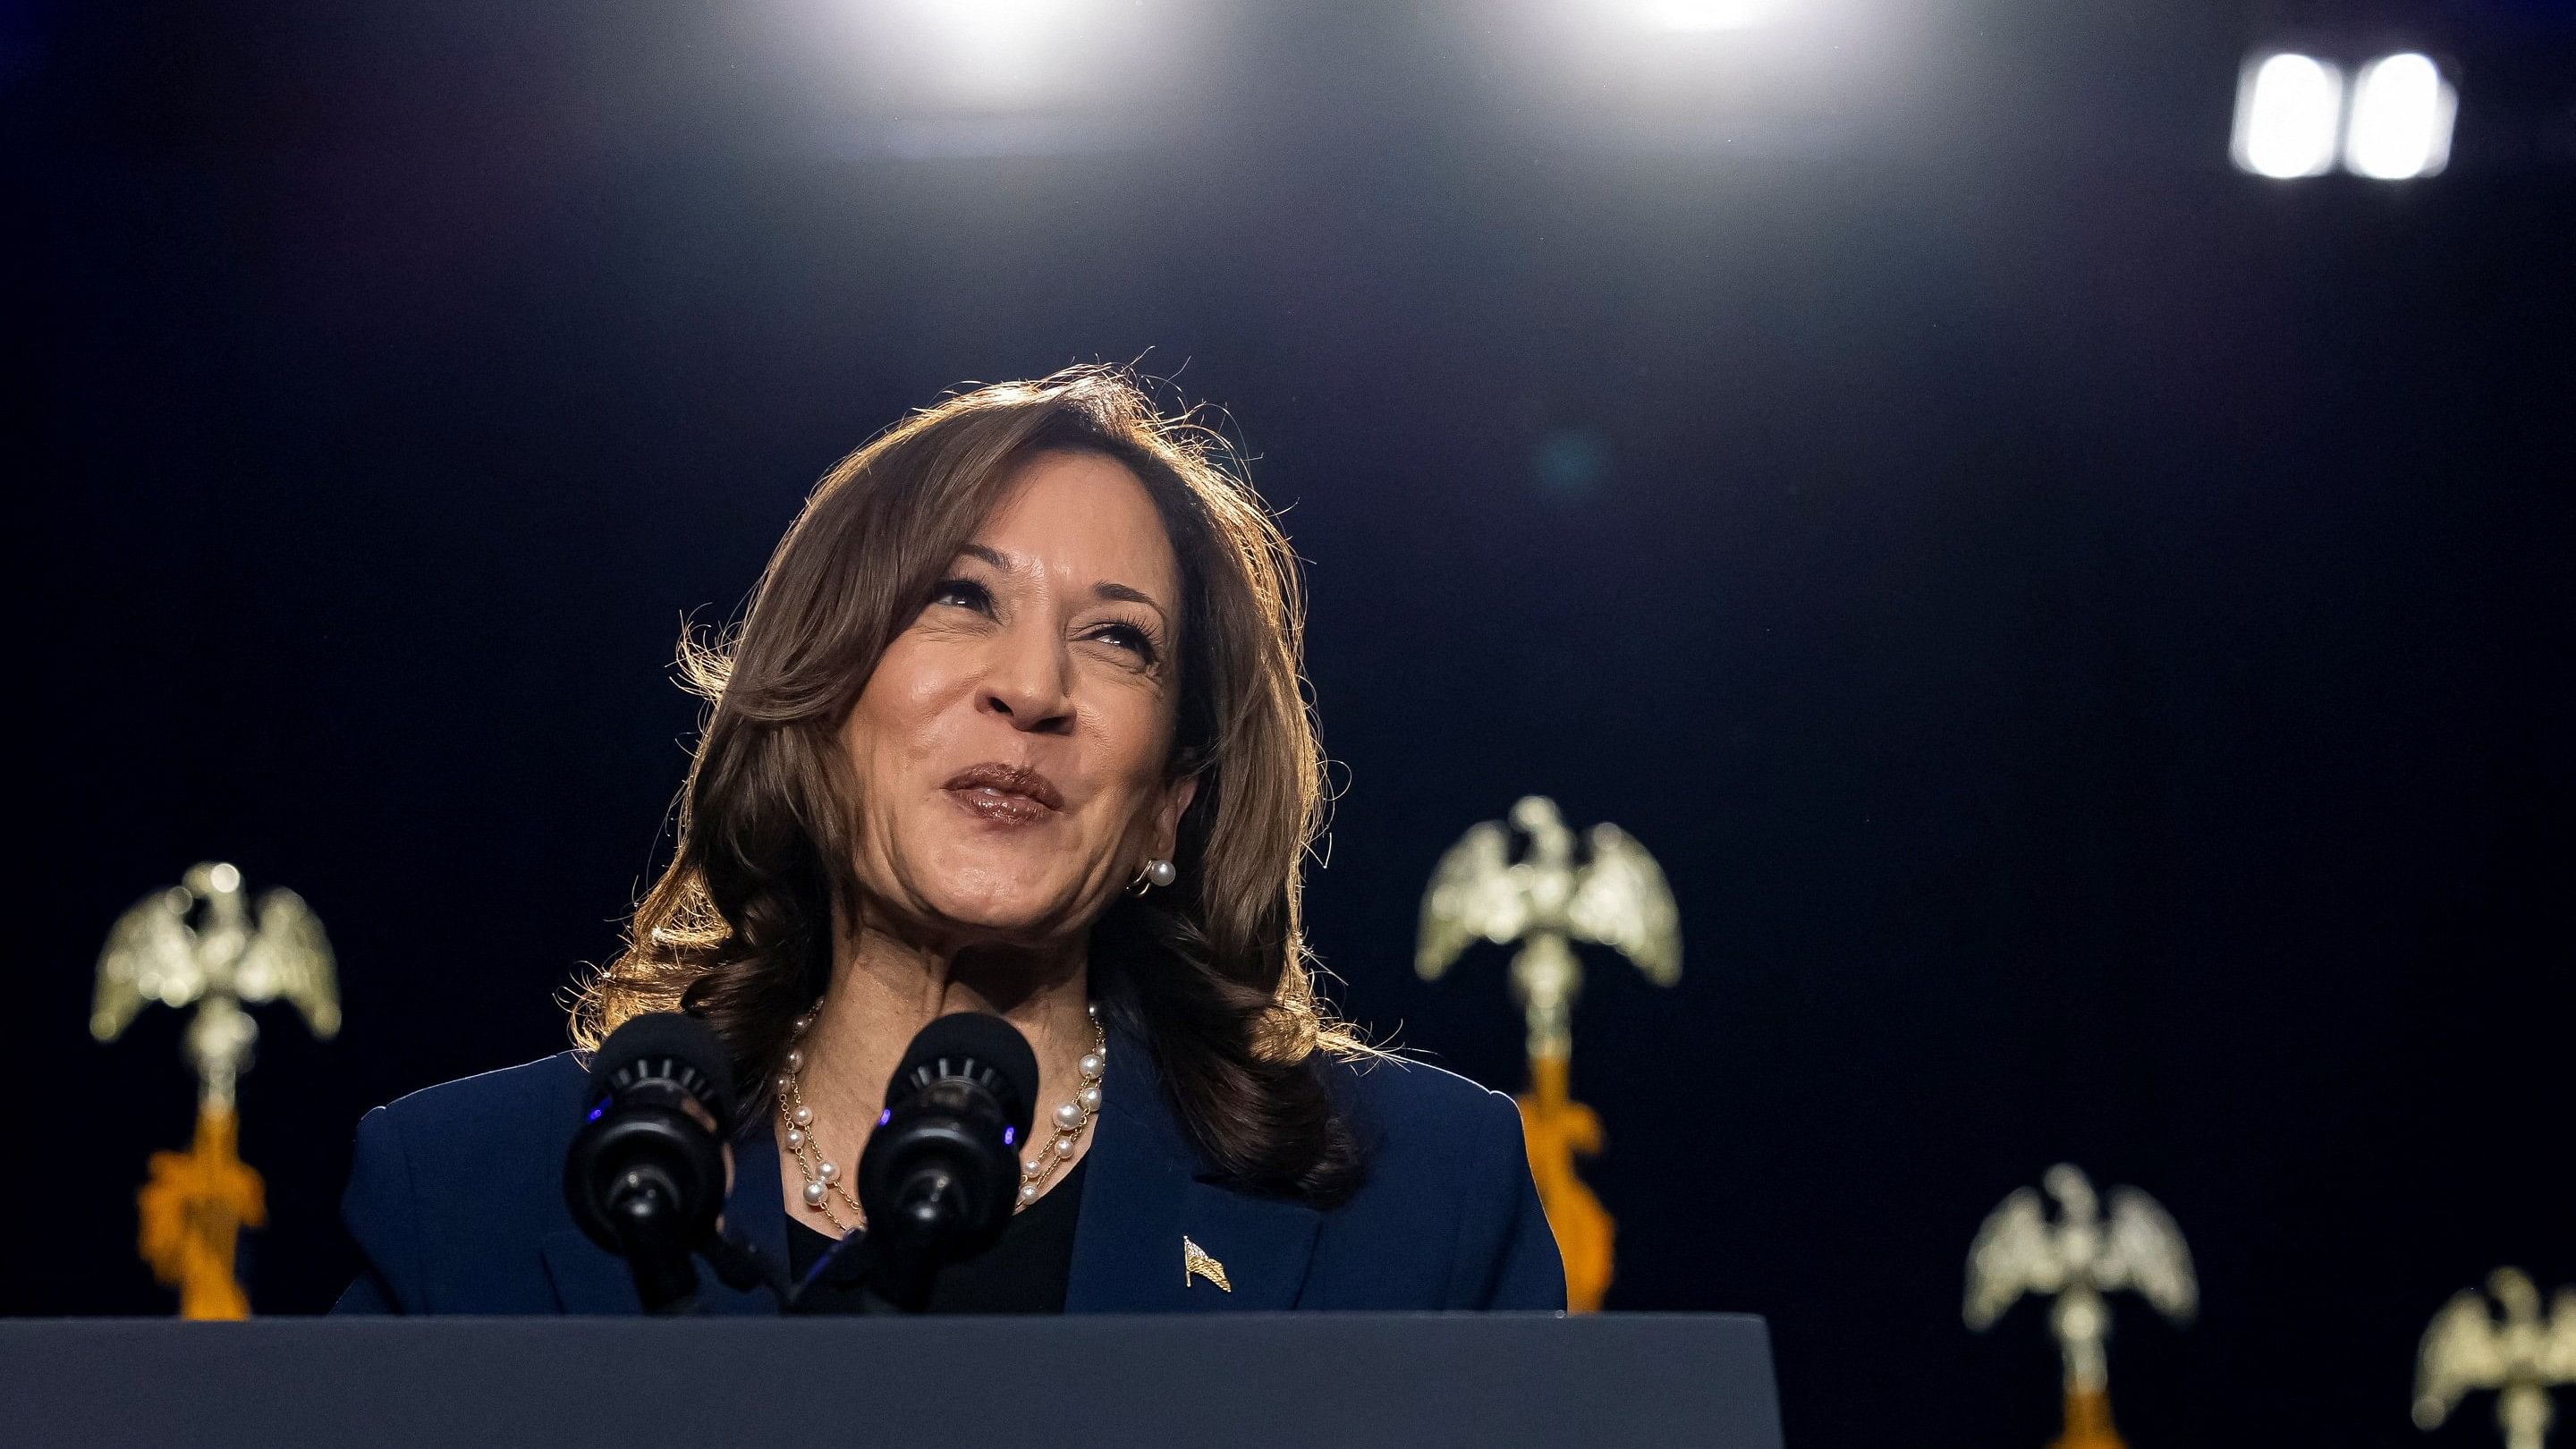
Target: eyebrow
[[1105, 590]]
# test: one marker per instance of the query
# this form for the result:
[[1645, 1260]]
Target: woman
[[1014, 725]]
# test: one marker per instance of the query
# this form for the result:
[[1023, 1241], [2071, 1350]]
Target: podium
[[1238, 1381]]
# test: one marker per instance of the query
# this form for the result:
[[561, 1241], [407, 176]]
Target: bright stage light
[[960, 79], [1704, 78], [994, 54], [2288, 109], [1689, 16], [2401, 119]]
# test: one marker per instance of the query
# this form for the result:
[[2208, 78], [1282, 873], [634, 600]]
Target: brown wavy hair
[[1211, 971]]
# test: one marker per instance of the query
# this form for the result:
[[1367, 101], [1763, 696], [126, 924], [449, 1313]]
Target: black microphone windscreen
[[675, 1046], [985, 1039]]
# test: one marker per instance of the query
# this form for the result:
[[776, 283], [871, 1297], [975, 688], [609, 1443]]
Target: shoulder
[[444, 1178], [1426, 1131], [1445, 1215], [535, 1098], [495, 1132], [1413, 1101]]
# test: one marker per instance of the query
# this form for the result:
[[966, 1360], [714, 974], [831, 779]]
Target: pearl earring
[[1161, 872]]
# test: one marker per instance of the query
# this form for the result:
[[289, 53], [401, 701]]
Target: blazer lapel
[[1145, 1190], [1259, 1245], [589, 1279]]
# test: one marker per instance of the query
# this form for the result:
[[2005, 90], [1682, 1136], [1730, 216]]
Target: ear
[[1168, 812]]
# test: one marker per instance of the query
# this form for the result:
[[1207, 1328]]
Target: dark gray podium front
[[1240, 1381]]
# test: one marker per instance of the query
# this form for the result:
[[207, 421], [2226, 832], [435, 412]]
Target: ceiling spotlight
[[1706, 15], [2401, 119], [2288, 110]]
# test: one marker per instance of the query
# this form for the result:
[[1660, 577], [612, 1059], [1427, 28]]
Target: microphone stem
[[665, 1281]]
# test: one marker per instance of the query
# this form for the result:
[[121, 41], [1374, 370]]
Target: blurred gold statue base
[[1556, 1128], [2088, 1422], [193, 1210]]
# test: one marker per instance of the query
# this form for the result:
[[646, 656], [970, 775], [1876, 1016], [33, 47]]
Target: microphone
[[646, 1174], [941, 1173]]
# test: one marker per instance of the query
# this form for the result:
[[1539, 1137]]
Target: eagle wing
[[1471, 896], [2461, 1352], [2147, 1252], [2012, 1253], [150, 956], [2558, 1350], [1623, 903], [289, 957]]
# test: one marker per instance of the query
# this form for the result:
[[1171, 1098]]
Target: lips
[[1005, 794]]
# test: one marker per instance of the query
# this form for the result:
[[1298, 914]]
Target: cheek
[[898, 715], [1133, 738]]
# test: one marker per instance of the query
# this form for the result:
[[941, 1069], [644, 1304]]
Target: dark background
[[2087, 632]]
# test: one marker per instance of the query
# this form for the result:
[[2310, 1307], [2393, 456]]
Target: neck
[[885, 988]]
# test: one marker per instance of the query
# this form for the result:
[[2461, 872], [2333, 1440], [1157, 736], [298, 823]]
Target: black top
[[1024, 1271]]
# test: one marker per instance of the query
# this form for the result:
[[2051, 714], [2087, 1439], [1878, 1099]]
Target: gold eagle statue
[[1546, 901], [2519, 1354], [2078, 1260], [198, 943]]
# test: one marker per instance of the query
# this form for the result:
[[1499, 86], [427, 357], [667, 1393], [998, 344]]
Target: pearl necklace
[[823, 1181]]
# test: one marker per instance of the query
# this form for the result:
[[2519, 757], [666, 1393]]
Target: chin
[[1008, 900]]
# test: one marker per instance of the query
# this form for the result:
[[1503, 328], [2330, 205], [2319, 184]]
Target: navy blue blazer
[[456, 1198]]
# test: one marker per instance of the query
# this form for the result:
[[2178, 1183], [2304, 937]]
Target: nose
[[1029, 680]]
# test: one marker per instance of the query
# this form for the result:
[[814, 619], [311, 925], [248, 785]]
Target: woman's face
[[1013, 747]]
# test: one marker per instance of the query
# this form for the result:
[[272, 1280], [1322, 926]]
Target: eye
[[963, 594], [1128, 637]]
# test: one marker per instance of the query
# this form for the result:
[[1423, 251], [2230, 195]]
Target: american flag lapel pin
[[1195, 1263]]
